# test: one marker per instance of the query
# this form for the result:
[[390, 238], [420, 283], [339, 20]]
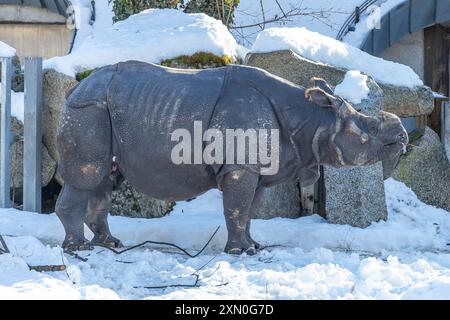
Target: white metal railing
[[32, 134], [445, 127], [5, 131]]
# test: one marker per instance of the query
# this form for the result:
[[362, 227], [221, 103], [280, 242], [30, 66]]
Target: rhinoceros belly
[[147, 103]]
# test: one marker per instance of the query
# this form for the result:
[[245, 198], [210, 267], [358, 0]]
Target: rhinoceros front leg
[[97, 215], [238, 193], [71, 208]]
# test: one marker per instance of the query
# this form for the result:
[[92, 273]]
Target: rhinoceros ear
[[320, 83], [321, 98]]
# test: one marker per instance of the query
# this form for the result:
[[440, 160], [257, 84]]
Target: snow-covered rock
[[150, 36], [354, 87], [6, 51], [317, 47], [402, 101], [426, 170]]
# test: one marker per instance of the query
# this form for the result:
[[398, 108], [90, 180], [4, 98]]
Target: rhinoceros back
[[147, 103]]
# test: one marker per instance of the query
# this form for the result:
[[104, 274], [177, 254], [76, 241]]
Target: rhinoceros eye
[[372, 127]]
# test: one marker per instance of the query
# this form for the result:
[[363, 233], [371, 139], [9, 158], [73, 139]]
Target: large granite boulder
[[279, 201], [16, 164], [55, 87], [17, 81], [402, 101], [353, 196], [426, 170]]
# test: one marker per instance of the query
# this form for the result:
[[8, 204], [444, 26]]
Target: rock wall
[[404, 102], [426, 170]]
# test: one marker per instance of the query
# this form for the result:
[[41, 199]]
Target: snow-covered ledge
[[317, 55]]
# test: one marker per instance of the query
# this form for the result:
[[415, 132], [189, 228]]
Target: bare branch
[[223, 11], [218, 9], [320, 15], [263, 14], [281, 9], [5, 247], [160, 243], [230, 10]]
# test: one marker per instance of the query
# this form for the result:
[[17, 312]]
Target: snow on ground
[[406, 257], [17, 104], [354, 87], [150, 36], [369, 21], [324, 16], [317, 47]]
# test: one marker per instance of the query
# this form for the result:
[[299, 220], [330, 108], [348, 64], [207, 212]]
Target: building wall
[[44, 40], [28, 14], [408, 51]]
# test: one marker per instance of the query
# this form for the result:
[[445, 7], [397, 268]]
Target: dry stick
[[76, 256], [281, 8], [196, 282], [160, 243], [37, 268], [218, 9], [291, 13], [65, 268], [223, 11], [263, 14], [48, 268], [5, 247], [230, 10]]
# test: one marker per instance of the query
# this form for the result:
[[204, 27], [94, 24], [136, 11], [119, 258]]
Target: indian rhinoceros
[[118, 124]]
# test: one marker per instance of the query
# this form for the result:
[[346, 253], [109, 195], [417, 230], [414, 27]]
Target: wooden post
[[5, 131], [32, 135]]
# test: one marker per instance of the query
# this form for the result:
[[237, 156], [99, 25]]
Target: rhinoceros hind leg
[[97, 214], [238, 192], [71, 209]]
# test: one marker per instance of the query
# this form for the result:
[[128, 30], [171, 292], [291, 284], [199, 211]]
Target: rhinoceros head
[[356, 139]]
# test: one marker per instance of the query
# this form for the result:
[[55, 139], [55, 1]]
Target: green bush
[[84, 74], [125, 8], [199, 60], [220, 9]]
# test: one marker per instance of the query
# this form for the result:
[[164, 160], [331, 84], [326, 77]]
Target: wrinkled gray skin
[[128, 111]]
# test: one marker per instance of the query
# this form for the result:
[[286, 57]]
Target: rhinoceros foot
[[72, 244], [107, 240], [239, 246]]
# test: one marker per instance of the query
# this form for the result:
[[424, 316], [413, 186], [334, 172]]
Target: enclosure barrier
[[32, 134], [445, 127], [5, 131]]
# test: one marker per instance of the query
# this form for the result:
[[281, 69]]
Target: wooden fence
[[32, 134]]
